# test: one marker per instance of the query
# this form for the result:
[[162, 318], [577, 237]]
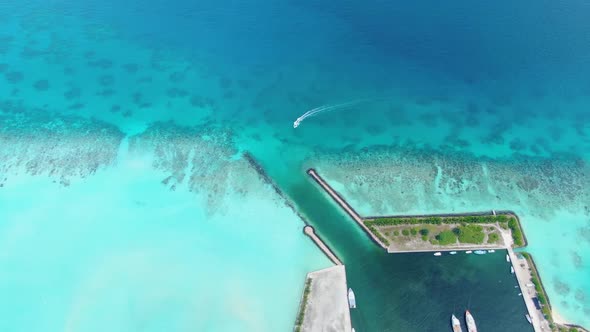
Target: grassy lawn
[[471, 234], [473, 229], [493, 237], [446, 238]]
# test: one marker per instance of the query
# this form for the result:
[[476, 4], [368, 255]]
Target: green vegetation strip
[[390, 221], [301, 314], [378, 234], [536, 280], [506, 221], [516, 232]]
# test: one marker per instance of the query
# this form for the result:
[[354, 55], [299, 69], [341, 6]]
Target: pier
[[310, 231], [523, 273], [344, 205], [324, 304]]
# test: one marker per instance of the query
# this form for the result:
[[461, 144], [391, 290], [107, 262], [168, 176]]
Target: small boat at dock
[[351, 299], [512, 269], [438, 253], [453, 253], [470, 322], [529, 319], [491, 250], [468, 251], [456, 324], [480, 252], [507, 258]]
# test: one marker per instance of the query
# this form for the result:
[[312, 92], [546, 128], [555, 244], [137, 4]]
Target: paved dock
[[327, 303], [343, 204], [310, 231], [522, 272], [523, 276]]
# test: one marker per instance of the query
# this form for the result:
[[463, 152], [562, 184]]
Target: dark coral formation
[[106, 80], [14, 77], [404, 178], [38, 142], [198, 158], [131, 68], [73, 93], [41, 85], [101, 63], [176, 93]]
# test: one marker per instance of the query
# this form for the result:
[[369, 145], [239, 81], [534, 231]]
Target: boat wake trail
[[324, 108]]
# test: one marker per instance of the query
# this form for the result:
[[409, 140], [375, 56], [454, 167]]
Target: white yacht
[[470, 322], [351, 299], [456, 324]]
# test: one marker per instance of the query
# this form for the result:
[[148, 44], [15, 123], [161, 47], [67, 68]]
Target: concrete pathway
[[327, 304]]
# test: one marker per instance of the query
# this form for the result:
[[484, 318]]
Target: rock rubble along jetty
[[344, 205], [310, 231]]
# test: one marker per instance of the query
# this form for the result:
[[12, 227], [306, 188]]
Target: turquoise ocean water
[[126, 203]]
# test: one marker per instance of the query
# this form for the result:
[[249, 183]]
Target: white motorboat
[[438, 253], [456, 324], [468, 251], [351, 299], [470, 322], [453, 253]]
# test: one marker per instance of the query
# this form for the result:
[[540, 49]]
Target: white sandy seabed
[[119, 251]]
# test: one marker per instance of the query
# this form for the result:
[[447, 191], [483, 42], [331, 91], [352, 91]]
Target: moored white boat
[[456, 324], [507, 258], [512, 269], [453, 253], [468, 251], [491, 250], [351, 299], [470, 322], [438, 253], [480, 252], [529, 319]]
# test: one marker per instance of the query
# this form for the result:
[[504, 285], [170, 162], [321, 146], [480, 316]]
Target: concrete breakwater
[[344, 205], [307, 230], [310, 231], [268, 180]]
